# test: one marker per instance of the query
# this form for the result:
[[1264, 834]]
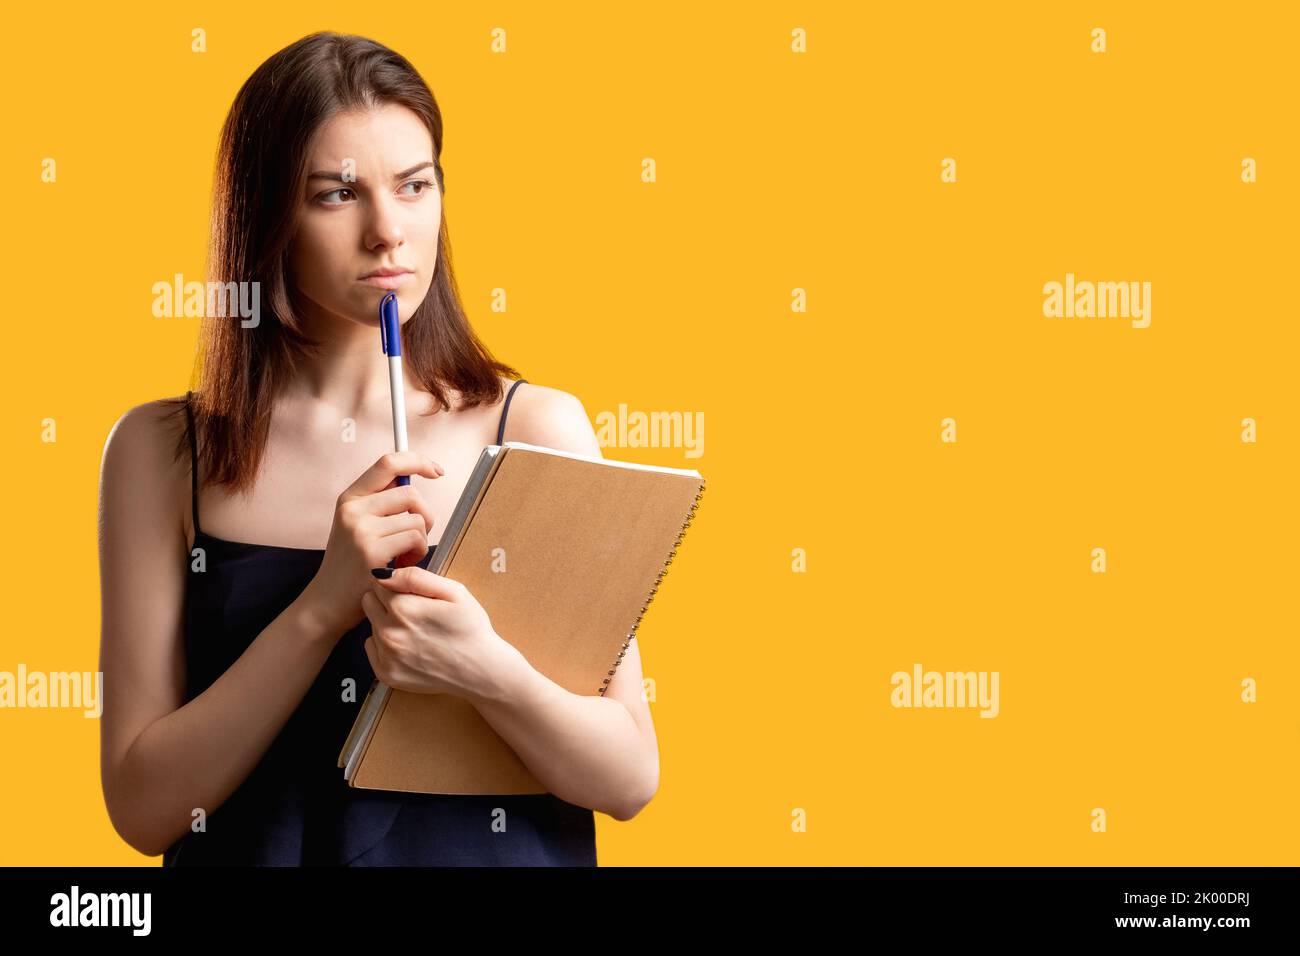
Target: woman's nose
[[384, 226]]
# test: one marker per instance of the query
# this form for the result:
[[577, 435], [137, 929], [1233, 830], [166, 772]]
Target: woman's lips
[[388, 282]]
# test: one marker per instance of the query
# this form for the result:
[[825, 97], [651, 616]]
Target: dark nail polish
[[382, 572]]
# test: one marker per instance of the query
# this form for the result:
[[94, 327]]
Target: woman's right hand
[[375, 521]]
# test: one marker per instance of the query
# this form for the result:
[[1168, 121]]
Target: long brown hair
[[260, 175]]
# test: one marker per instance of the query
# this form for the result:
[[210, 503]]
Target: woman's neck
[[348, 372]]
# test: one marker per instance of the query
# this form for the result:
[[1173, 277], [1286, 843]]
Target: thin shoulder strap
[[194, 464], [501, 429]]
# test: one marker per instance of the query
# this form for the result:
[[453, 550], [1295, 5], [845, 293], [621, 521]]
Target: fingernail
[[382, 572]]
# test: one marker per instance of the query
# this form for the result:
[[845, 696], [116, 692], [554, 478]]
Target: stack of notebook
[[565, 552]]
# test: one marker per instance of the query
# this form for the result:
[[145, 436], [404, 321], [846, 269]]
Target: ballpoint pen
[[390, 340]]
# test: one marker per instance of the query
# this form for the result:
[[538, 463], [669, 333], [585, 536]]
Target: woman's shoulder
[[543, 415], [156, 425], [145, 466], [536, 395], [534, 402]]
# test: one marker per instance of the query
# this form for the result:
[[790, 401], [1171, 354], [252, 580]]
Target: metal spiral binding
[[690, 516]]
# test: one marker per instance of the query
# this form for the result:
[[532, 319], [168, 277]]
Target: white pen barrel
[[398, 387]]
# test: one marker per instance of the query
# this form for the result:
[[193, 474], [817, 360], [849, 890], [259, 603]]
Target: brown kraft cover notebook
[[585, 543]]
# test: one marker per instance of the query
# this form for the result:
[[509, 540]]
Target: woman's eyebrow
[[338, 177]]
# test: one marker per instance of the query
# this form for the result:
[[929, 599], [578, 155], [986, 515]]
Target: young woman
[[229, 633]]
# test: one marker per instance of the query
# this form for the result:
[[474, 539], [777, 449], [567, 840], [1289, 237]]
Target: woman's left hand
[[430, 635]]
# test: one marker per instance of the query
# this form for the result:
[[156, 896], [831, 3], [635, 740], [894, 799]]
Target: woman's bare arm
[[160, 758]]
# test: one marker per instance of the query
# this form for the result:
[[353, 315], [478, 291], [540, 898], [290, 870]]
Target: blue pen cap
[[390, 330], [390, 340]]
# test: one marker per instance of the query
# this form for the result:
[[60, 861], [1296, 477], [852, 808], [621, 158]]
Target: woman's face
[[371, 202]]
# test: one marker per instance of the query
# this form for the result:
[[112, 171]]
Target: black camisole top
[[295, 808]]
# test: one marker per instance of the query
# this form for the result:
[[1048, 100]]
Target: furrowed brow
[[338, 177]]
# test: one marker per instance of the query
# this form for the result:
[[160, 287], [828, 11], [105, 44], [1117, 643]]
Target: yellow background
[[779, 171]]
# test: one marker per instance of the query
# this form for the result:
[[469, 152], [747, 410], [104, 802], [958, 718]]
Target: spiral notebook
[[565, 552]]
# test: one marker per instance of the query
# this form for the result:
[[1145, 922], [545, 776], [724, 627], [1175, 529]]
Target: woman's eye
[[419, 182], [323, 196], [423, 185]]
